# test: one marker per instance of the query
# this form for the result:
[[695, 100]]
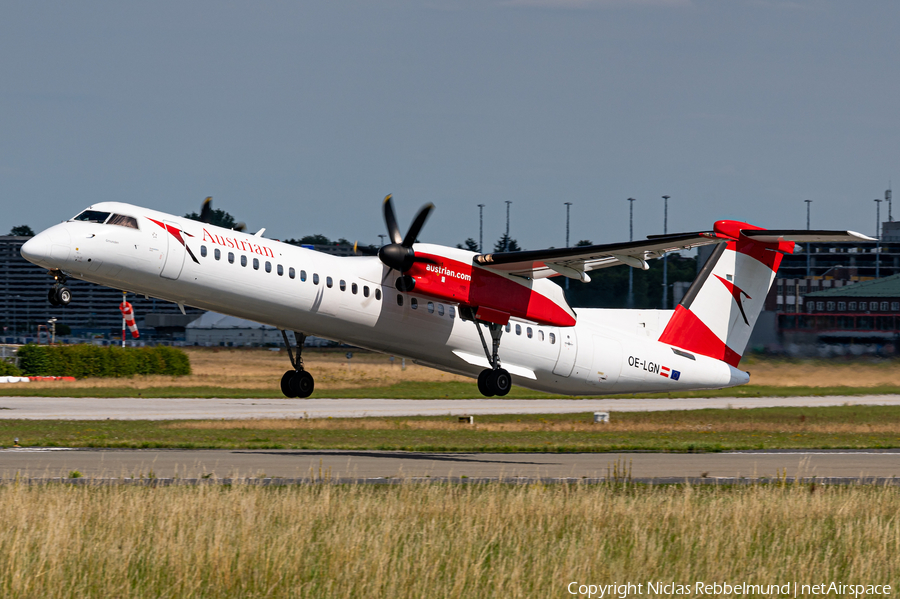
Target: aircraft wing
[[575, 262]]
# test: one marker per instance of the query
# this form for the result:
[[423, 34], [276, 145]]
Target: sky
[[301, 116]]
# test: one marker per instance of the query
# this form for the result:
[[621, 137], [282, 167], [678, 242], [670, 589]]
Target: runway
[[68, 408], [371, 465]]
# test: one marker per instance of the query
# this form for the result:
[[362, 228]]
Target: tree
[[507, 244], [22, 231], [310, 240], [584, 243], [470, 244], [219, 218]]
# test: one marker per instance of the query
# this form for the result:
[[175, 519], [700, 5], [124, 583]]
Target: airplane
[[442, 307]]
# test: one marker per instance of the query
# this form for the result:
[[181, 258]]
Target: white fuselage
[[353, 300]]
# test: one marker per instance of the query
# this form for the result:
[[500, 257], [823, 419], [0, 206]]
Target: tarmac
[[121, 408]]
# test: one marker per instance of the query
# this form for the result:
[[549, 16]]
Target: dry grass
[[379, 424], [262, 369], [435, 540]]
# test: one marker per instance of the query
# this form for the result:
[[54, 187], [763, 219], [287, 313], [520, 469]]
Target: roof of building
[[214, 320], [884, 287]]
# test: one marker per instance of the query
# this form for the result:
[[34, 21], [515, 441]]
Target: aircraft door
[[174, 253], [567, 350]]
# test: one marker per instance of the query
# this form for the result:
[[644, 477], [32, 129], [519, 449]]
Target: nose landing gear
[[296, 382], [59, 294]]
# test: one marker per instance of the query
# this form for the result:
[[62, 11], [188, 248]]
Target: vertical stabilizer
[[718, 312]]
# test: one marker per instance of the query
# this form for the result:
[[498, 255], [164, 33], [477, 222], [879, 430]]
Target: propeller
[[206, 215], [399, 255]]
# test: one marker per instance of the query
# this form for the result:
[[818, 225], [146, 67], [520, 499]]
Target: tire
[[482, 383], [499, 382], [51, 297], [302, 384], [63, 296], [286, 384]]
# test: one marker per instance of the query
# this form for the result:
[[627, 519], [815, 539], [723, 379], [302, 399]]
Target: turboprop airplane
[[442, 307]]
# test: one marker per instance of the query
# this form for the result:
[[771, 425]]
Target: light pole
[[665, 290], [381, 237], [630, 238], [506, 244], [568, 205], [808, 263], [878, 238], [481, 228]]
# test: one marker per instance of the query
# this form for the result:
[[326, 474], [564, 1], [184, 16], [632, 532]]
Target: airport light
[[481, 228], [665, 302], [506, 244], [630, 300], [568, 205]]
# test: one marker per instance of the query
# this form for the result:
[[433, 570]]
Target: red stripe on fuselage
[[688, 332], [469, 285]]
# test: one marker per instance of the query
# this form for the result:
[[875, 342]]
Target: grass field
[[679, 431], [468, 541], [224, 372]]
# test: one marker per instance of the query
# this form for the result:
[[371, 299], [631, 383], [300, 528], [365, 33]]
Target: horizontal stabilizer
[[804, 236]]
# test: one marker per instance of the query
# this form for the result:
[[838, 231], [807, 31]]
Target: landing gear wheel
[[302, 384], [51, 297], [482, 382], [63, 296], [286, 383], [498, 382]]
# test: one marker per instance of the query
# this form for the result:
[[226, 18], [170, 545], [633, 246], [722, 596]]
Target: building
[[94, 309], [863, 313]]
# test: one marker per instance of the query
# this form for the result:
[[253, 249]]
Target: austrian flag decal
[[669, 373]]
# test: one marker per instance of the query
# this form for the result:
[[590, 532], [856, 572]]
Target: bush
[[7, 369], [86, 360]]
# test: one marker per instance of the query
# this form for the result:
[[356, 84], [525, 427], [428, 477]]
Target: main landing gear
[[494, 380], [59, 294], [296, 382]]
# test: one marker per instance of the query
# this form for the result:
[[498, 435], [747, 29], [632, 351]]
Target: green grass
[[700, 431], [419, 390]]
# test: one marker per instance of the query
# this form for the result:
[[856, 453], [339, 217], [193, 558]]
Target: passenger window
[[399, 300], [452, 312], [440, 309], [328, 282], [315, 278], [354, 288], [413, 303], [203, 251], [365, 291], [291, 272], [256, 264], [280, 270], [268, 266], [342, 285], [123, 221], [217, 253], [303, 276], [552, 338], [529, 332], [243, 260], [507, 327], [540, 335], [230, 257], [518, 329], [378, 294], [431, 307]]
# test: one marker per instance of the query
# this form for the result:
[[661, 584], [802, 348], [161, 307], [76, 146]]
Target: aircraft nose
[[37, 249]]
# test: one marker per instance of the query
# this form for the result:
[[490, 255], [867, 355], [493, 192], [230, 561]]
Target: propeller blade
[[206, 210], [416, 227], [391, 221]]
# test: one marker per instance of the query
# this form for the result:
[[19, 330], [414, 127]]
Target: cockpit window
[[92, 216], [123, 221]]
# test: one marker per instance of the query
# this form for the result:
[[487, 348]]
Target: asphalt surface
[[362, 465], [67, 408]]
